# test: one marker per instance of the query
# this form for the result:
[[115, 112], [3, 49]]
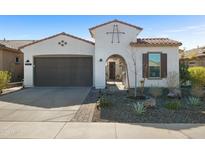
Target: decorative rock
[[151, 102], [176, 93]]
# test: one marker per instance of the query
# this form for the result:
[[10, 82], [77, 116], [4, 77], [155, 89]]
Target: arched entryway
[[116, 71]]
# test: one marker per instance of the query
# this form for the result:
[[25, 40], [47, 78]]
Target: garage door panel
[[63, 71]]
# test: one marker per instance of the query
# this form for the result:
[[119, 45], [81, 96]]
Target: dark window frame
[[17, 61], [148, 73]]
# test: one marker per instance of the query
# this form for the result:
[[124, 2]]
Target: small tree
[[142, 82], [197, 76], [133, 55], [5, 77]]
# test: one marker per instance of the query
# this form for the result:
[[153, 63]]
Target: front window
[[17, 60], [154, 65]]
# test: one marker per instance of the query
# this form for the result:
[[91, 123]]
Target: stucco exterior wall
[[1, 59], [104, 48], [8, 63], [51, 47], [101, 51], [172, 65]]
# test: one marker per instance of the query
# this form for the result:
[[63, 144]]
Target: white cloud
[[193, 28], [175, 30]]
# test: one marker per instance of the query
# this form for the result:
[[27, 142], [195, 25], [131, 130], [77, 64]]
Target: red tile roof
[[15, 44], [193, 53], [4, 47], [155, 42]]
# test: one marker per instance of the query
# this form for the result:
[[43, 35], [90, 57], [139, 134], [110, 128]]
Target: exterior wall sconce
[[100, 60], [27, 62]]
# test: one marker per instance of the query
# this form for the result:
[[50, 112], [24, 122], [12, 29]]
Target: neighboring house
[[11, 59], [67, 60], [193, 57]]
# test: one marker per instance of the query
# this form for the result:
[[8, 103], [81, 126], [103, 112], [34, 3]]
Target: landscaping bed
[[121, 110]]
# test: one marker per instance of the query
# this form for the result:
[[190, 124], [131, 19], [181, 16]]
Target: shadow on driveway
[[47, 97]]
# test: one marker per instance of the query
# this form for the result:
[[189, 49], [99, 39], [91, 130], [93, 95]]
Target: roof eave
[[50, 37], [91, 33], [11, 49], [100, 25]]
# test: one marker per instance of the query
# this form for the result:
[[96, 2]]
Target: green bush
[[197, 76], [104, 102], [173, 105], [5, 77]]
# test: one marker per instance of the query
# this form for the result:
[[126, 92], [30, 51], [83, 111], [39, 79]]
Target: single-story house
[[11, 59], [193, 57], [67, 60]]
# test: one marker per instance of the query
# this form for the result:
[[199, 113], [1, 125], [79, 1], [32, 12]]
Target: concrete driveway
[[42, 104]]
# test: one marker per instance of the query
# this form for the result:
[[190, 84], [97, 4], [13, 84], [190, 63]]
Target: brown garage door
[[63, 71]]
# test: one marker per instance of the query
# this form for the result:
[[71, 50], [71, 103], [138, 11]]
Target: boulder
[[175, 93], [151, 102]]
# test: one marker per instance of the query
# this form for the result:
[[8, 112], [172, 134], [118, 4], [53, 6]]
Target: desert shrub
[[173, 105], [155, 91], [5, 77], [197, 76], [104, 102], [139, 108], [194, 101]]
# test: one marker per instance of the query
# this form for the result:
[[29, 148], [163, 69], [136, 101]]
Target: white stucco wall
[[51, 47], [104, 48], [172, 65]]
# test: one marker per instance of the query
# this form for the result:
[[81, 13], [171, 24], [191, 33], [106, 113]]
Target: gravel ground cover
[[122, 110]]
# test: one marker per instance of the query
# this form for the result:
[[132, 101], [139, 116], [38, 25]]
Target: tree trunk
[[135, 80]]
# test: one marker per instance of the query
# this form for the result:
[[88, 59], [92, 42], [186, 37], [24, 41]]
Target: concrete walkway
[[74, 130], [11, 90]]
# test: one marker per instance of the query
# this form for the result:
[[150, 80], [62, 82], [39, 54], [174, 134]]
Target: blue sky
[[190, 30]]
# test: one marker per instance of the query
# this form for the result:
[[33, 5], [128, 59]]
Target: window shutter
[[145, 65], [163, 65]]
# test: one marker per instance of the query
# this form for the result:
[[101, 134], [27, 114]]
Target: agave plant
[[194, 100], [139, 108]]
